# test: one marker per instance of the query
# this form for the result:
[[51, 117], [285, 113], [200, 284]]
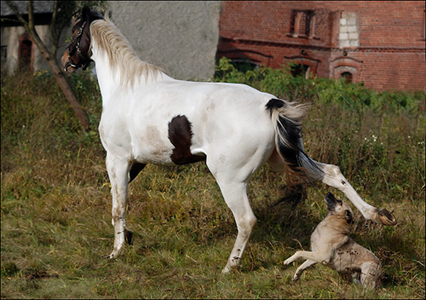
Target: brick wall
[[388, 71], [382, 42]]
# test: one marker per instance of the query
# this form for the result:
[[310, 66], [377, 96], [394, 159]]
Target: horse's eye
[[71, 51]]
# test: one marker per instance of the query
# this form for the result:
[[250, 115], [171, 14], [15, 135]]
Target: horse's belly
[[150, 145]]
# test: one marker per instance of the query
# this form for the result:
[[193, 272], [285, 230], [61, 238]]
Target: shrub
[[353, 96]]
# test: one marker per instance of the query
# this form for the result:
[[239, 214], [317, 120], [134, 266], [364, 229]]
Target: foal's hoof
[[386, 217], [128, 236]]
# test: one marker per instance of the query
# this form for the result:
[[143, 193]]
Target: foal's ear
[[349, 217]]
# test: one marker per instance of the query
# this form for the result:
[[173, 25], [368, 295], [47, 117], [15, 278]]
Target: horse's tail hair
[[287, 118]]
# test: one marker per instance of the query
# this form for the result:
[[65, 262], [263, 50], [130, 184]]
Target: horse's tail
[[287, 119]]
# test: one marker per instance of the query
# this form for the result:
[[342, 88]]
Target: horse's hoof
[[386, 217], [128, 236]]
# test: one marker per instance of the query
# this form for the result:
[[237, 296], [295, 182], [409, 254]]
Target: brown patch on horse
[[180, 135]]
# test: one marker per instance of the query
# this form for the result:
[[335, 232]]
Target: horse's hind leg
[[235, 195], [234, 190], [331, 175], [118, 170]]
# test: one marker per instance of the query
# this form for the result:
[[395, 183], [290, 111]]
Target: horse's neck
[[110, 80]]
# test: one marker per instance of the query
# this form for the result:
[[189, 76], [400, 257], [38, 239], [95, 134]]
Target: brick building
[[380, 43]]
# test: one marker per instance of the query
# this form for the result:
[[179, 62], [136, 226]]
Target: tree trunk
[[63, 82], [53, 64]]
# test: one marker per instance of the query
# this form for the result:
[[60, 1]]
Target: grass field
[[55, 206]]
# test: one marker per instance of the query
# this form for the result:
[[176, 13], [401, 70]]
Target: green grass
[[56, 209]]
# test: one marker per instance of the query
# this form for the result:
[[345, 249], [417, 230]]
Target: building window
[[302, 24], [299, 70], [347, 77], [349, 30], [3, 52], [302, 65], [25, 53], [244, 65]]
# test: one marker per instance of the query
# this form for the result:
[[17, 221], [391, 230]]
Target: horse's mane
[[121, 55]]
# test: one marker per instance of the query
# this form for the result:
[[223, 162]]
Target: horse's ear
[[85, 13]]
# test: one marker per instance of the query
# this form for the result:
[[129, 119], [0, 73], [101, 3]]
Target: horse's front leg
[[118, 170]]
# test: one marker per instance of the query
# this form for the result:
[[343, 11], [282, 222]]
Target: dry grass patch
[[56, 209]]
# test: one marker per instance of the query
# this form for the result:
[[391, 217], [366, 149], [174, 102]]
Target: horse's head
[[77, 54]]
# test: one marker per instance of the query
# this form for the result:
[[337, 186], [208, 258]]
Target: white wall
[[180, 37]]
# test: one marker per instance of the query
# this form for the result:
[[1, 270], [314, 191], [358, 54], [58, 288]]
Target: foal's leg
[[302, 268], [370, 274], [118, 170], [318, 257]]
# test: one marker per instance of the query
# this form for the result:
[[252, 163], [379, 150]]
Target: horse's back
[[217, 116]]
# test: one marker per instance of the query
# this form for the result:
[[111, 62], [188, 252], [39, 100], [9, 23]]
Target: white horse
[[149, 117]]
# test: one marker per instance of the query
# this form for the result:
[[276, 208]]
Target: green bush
[[353, 96]]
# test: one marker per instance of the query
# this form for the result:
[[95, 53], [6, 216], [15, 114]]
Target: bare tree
[[61, 17]]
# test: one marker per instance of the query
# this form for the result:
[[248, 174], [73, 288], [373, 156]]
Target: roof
[[40, 7]]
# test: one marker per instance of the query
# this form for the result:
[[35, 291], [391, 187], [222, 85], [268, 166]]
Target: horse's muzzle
[[68, 66]]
